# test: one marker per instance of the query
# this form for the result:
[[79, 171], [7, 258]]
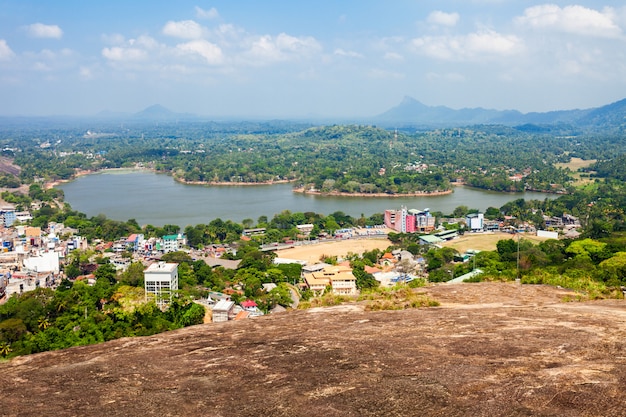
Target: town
[[33, 257]]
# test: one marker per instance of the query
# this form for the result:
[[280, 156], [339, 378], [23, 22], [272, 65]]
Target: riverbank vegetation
[[330, 159]]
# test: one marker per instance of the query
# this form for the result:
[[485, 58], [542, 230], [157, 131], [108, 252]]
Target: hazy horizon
[[327, 59]]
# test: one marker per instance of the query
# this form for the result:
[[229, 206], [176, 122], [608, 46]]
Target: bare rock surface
[[488, 350]]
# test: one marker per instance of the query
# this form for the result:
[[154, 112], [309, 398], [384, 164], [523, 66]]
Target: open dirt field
[[486, 241], [312, 253], [476, 241], [574, 165], [488, 350]]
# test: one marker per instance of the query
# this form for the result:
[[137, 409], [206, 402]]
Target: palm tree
[[43, 323], [5, 349]]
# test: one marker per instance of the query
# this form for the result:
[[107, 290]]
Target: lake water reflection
[[157, 199]]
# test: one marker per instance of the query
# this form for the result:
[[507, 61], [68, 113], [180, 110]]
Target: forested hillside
[[346, 159]]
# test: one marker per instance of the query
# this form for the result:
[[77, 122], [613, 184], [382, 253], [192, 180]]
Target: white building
[[223, 310], [475, 222], [160, 282], [46, 262]]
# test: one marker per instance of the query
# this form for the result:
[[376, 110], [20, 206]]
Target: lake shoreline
[[302, 190], [155, 199]]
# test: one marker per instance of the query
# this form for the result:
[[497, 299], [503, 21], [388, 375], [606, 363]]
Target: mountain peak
[[410, 101], [156, 110]]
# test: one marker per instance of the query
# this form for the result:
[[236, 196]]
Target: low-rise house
[[46, 262], [259, 231], [251, 307], [172, 243], [430, 240], [33, 236], [243, 314], [23, 216], [387, 259], [134, 241], [338, 277], [305, 229], [223, 311]]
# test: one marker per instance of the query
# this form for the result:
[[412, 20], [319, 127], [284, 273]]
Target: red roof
[[371, 269], [242, 315], [248, 303]]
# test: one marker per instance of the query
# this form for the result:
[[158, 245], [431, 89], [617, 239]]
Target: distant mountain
[[411, 112], [158, 112], [613, 114]]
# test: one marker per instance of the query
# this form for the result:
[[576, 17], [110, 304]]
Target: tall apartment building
[[410, 221], [161, 282]]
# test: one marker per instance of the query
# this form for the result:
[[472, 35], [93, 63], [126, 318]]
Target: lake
[[157, 199]]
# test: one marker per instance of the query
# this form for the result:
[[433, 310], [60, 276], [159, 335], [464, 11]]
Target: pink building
[[409, 221]]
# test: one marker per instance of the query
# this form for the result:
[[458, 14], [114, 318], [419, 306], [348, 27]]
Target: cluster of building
[[410, 221], [31, 257], [422, 221]]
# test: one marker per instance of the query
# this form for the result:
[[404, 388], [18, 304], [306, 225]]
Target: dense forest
[[346, 158]]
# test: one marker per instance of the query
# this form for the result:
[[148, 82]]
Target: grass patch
[[327, 300], [399, 297], [586, 287], [574, 165]]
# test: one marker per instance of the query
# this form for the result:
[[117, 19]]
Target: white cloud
[[349, 54], [443, 19], [117, 53], [282, 47], [207, 14], [85, 73], [145, 42], [185, 29], [113, 39], [479, 45], [207, 50], [393, 56], [5, 52], [41, 67], [572, 19], [39, 30]]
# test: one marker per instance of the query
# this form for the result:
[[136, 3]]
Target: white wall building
[[46, 262], [160, 283], [475, 222]]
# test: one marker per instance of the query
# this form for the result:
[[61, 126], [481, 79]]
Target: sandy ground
[[312, 253], [486, 241]]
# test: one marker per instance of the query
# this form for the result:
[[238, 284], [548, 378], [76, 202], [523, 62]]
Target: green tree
[[5, 349], [134, 275], [106, 271]]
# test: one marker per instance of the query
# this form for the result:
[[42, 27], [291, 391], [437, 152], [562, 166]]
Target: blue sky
[[323, 58]]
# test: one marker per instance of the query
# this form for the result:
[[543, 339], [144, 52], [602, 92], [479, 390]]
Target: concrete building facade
[[161, 282]]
